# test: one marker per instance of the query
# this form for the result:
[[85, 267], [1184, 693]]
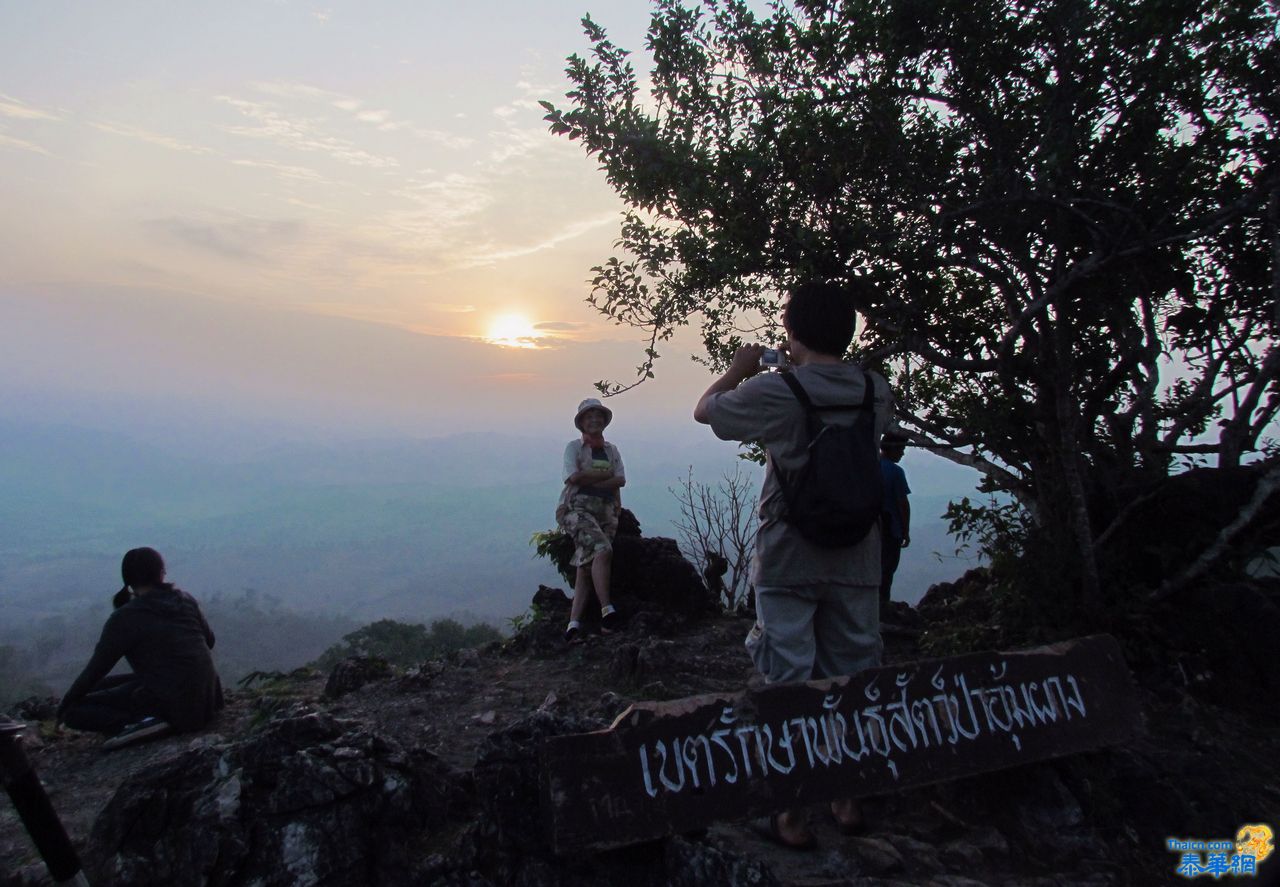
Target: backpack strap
[[811, 412]]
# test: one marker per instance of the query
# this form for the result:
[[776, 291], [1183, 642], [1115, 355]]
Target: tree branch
[[1267, 485]]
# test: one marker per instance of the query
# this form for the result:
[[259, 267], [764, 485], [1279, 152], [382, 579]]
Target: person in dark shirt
[[895, 519], [161, 632]]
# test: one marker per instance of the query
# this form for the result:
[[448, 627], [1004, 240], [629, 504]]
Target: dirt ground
[[449, 707]]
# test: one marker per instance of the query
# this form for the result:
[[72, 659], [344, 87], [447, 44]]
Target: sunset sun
[[512, 331]]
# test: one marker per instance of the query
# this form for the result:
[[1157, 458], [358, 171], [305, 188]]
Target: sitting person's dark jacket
[[164, 637]]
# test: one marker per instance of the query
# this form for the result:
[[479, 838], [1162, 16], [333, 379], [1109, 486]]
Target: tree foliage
[[1066, 213], [406, 644]]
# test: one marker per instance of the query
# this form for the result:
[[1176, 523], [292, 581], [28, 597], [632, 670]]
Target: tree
[[1060, 220], [405, 644], [717, 528]]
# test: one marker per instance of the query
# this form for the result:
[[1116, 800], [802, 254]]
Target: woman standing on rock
[[588, 511], [166, 640]]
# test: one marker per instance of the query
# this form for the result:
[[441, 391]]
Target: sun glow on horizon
[[512, 331]]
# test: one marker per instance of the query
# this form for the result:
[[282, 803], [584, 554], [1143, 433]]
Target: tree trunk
[[1067, 464]]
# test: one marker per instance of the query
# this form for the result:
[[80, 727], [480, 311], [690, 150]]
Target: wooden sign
[[670, 767]]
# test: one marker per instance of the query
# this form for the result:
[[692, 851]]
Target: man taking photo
[[817, 606]]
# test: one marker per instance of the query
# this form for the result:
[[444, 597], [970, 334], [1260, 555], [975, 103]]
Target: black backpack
[[835, 497]]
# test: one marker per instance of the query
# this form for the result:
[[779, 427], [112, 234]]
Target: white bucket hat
[[592, 404]]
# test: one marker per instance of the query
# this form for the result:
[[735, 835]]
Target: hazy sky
[[310, 212]]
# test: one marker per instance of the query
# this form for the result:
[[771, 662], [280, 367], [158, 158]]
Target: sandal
[[767, 827], [610, 622], [573, 635]]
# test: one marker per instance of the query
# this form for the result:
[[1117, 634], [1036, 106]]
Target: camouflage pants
[[592, 522]]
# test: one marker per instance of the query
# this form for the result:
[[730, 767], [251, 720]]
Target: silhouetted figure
[[895, 517], [161, 632]]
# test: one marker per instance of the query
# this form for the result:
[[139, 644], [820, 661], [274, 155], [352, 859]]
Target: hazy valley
[[290, 547]]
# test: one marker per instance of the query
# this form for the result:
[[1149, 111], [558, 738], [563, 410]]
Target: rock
[[902, 615], [643, 662], [693, 864], [1230, 644], [35, 708], [608, 707], [649, 574], [919, 856], [551, 601], [310, 800], [966, 601], [351, 674], [875, 856], [1041, 814], [543, 635], [961, 856], [622, 665], [1170, 521], [506, 778], [627, 524], [993, 845], [655, 660]]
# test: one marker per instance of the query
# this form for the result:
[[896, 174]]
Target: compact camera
[[774, 358]]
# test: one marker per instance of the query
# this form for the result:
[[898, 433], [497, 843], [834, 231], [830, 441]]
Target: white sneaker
[[144, 729]]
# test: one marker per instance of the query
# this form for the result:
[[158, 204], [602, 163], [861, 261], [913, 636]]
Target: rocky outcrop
[[310, 800], [433, 776], [351, 674], [516, 845], [1162, 525], [650, 577]]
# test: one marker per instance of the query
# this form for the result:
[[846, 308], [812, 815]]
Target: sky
[[347, 217], [231, 228]]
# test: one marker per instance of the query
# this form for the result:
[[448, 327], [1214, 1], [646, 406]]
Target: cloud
[[438, 136], [381, 118], [438, 211], [569, 232], [559, 326], [306, 91], [307, 205], [520, 378], [240, 239], [300, 135], [530, 343], [449, 309], [153, 138], [298, 173], [20, 110], [22, 145]]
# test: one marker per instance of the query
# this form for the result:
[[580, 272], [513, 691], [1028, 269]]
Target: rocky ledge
[[369, 776]]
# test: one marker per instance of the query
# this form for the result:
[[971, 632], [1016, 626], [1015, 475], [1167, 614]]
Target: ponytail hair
[[142, 566]]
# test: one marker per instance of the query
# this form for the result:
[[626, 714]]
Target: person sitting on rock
[[161, 632], [588, 512]]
